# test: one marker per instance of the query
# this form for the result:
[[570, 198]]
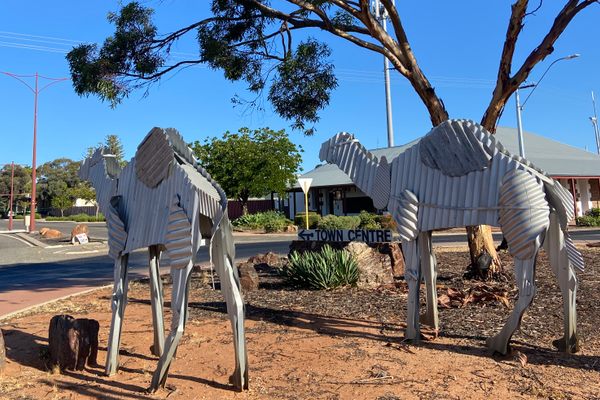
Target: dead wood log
[[73, 342], [2, 351]]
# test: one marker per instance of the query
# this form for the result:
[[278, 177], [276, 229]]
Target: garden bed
[[339, 344]]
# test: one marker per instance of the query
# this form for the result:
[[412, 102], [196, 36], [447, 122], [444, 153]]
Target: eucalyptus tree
[[253, 41]]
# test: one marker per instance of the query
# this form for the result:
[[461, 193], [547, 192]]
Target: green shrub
[[368, 220], [594, 212], [21, 216], [325, 269], [313, 219], [335, 222], [79, 218], [269, 221], [588, 220]]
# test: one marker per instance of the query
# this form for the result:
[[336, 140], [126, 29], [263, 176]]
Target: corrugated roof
[[557, 159]]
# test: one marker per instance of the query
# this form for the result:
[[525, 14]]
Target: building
[[332, 192]]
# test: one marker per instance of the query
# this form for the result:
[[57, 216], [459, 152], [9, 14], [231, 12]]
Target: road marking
[[19, 239]]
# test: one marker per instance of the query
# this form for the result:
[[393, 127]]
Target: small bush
[[325, 269], [79, 218], [594, 212], [386, 221], [368, 220], [588, 220], [313, 219], [335, 222], [269, 221]]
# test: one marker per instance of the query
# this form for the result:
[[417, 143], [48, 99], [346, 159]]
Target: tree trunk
[[62, 213], [2, 351], [485, 263], [73, 342]]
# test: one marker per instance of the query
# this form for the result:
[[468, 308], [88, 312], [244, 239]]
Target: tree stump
[[73, 342], [2, 351]]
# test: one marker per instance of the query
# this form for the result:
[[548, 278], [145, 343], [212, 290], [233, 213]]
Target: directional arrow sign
[[305, 234]]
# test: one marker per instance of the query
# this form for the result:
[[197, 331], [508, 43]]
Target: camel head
[[369, 174]]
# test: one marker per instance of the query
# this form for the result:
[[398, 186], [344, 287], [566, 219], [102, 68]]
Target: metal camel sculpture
[[165, 201], [459, 175]]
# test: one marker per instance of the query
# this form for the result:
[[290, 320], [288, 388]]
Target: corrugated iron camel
[[459, 175], [165, 201]]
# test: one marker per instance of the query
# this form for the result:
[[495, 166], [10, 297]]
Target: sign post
[[305, 185]]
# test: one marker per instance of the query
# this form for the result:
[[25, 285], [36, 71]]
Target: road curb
[[29, 308], [31, 240]]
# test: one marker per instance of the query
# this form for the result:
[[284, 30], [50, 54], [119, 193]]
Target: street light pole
[[520, 106], [36, 91], [12, 188], [382, 16], [594, 120]]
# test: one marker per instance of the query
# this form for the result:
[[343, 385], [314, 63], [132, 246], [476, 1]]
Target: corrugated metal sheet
[[178, 240]]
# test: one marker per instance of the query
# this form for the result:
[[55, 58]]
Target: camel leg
[[412, 275], [525, 276], [429, 268], [223, 256], [119, 302], [563, 269], [179, 302], [156, 299]]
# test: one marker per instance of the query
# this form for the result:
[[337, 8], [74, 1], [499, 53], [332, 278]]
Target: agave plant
[[324, 269]]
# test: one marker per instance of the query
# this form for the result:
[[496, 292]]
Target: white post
[[305, 185], [519, 124]]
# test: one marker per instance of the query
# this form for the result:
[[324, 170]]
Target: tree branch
[[505, 87]]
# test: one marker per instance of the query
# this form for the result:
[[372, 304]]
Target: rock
[[394, 251], [291, 229], [248, 276], [2, 351], [269, 259], [79, 229], [375, 269], [51, 234], [73, 342]]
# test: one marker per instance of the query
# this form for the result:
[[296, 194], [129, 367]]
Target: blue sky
[[457, 44]]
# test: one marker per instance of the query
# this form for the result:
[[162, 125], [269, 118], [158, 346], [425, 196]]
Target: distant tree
[[56, 178], [250, 163], [86, 192], [253, 41], [113, 145], [62, 202], [21, 185]]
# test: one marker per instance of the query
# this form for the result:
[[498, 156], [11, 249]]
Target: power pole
[[381, 14], [594, 120]]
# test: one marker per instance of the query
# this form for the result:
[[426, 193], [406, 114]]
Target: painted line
[[19, 239]]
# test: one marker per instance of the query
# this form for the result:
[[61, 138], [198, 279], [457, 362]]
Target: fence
[[234, 207]]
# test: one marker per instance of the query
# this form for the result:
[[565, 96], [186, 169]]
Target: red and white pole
[[12, 188], [33, 162]]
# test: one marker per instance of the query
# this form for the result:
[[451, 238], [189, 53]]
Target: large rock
[[268, 259], [79, 229], [375, 268], [51, 233], [73, 342], [248, 276]]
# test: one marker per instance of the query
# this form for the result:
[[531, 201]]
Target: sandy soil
[[342, 344]]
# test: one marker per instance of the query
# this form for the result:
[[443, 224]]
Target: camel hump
[[154, 158], [457, 147]]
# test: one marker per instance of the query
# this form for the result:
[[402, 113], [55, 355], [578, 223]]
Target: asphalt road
[[31, 275]]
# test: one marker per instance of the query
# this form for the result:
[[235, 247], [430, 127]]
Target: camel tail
[[562, 201]]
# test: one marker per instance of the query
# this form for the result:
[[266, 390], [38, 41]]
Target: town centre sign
[[346, 235]]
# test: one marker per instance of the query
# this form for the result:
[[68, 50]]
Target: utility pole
[[382, 16], [36, 91], [520, 106], [594, 120], [12, 188]]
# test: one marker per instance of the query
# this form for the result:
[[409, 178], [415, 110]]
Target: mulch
[[470, 321]]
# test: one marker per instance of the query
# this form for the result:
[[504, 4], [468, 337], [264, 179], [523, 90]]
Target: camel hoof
[[561, 345]]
